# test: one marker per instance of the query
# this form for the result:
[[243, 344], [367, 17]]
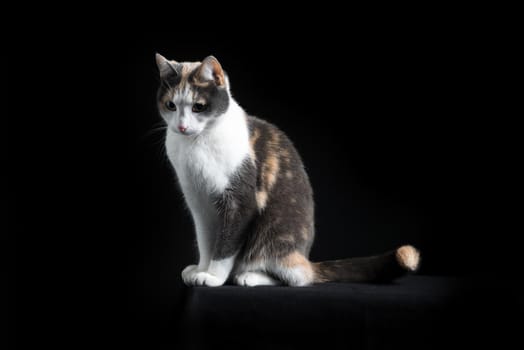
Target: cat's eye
[[171, 105], [199, 107]]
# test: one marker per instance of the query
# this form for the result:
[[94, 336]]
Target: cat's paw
[[188, 273], [251, 279], [193, 276], [206, 279]]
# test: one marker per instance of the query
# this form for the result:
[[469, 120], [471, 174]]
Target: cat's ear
[[211, 70], [165, 67]]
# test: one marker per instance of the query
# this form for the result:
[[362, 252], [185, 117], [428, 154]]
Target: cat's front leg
[[229, 238], [216, 275], [204, 227], [193, 275], [188, 273], [222, 259]]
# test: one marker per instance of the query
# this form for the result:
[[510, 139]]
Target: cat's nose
[[182, 128]]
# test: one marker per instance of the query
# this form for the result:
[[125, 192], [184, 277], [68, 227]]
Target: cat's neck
[[234, 119]]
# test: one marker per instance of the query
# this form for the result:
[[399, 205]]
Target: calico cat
[[249, 195]]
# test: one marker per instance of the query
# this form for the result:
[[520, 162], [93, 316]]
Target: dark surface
[[415, 311]]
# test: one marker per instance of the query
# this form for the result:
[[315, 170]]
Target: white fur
[[295, 276], [205, 279], [256, 273], [207, 223], [204, 164], [206, 161], [188, 273], [184, 116], [215, 275], [251, 279], [222, 268]]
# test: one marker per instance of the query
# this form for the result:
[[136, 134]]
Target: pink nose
[[182, 128]]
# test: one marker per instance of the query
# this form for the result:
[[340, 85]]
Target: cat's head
[[192, 95]]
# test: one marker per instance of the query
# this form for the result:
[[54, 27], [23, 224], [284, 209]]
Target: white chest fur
[[205, 163]]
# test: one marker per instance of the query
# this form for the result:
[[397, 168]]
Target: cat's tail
[[379, 268]]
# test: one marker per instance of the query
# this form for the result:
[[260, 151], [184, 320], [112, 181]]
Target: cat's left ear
[[211, 70]]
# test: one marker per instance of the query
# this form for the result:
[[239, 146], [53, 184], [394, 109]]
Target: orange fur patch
[[187, 68], [271, 168], [217, 72], [408, 257], [261, 198], [252, 141], [296, 259]]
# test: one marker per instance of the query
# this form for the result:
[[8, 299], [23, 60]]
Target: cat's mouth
[[185, 132]]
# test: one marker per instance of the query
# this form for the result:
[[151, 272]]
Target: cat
[[249, 196]]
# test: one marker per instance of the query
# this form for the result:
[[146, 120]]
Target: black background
[[405, 131]]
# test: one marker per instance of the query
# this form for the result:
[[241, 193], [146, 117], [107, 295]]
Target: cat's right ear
[[165, 67]]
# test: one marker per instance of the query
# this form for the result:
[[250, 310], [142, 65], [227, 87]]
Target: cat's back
[[269, 142], [280, 170], [284, 196]]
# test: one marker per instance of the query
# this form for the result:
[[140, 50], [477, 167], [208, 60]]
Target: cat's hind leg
[[254, 278], [293, 270]]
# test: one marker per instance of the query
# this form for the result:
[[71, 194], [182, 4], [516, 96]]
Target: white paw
[[206, 279], [193, 276], [188, 273], [251, 279]]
